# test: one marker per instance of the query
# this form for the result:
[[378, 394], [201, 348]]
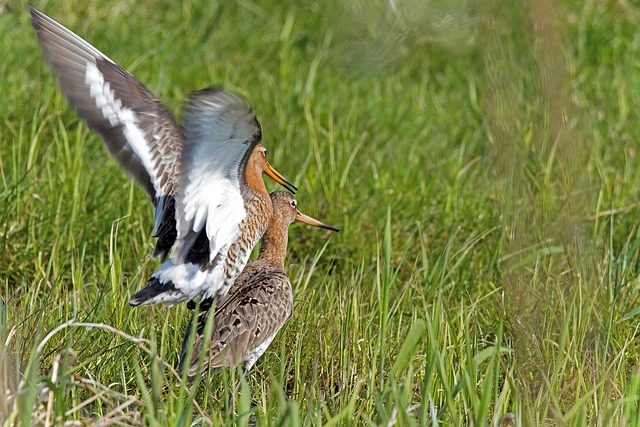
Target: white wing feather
[[220, 133], [202, 169]]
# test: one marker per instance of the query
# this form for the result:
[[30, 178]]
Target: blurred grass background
[[479, 157]]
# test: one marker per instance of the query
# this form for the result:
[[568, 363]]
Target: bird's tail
[[156, 292]]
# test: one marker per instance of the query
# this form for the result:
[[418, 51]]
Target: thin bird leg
[[236, 390], [245, 369]]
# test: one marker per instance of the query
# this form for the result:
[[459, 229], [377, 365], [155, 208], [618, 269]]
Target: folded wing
[[245, 322]]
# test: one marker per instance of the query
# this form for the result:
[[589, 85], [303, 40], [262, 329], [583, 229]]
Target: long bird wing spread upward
[[220, 134], [245, 321], [135, 126]]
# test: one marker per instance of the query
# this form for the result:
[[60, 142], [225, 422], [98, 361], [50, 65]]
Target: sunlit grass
[[480, 160]]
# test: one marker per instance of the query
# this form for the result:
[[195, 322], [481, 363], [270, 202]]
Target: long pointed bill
[[275, 175], [312, 221]]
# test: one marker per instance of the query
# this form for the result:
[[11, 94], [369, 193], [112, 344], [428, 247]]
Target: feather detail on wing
[[136, 128], [220, 134]]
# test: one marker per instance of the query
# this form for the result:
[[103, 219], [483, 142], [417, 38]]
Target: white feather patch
[[118, 115], [191, 282], [211, 191]]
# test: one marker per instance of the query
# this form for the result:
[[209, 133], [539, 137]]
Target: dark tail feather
[[153, 288], [166, 229]]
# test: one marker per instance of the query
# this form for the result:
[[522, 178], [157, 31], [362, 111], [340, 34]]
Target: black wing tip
[[36, 17], [153, 288], [34, 11], [40, 20], [44, 24], [160, 253], [136, 299]]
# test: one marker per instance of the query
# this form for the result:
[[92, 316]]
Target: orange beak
[[277, 177], [312, 221]]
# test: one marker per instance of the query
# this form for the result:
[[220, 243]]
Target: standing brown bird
[[204, 179], [247, 319]]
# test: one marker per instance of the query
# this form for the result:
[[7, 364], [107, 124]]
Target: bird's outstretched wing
[[135, 126], [195, 176]]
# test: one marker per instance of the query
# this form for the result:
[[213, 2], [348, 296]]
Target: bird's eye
[[294, 203], [264, 152]]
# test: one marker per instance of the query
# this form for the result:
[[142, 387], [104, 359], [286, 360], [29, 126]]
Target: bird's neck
[[274, 243], [253, 176]]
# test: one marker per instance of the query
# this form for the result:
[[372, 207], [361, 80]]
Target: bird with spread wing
[[204, 178]]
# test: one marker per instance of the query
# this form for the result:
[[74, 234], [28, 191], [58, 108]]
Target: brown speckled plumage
[[259, 212], [257, 306]]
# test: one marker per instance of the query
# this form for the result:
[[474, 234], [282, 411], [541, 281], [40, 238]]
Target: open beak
[[311, 221], [275, 175]]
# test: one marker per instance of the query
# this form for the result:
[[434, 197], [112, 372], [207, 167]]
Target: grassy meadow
[[481, 159]]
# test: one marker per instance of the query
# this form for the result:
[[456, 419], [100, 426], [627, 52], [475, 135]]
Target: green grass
[[481, 159]]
